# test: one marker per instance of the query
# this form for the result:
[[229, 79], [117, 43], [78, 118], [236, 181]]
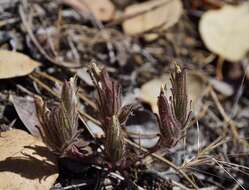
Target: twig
[[8, 21], [179, 185], [80, 92], [164, 160], [37, 44], [44, 86], [201, 157], [228, 120], [228, 173], [70, 187], [238, 96]]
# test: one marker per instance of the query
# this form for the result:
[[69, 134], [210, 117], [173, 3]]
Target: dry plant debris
[[102, 10]]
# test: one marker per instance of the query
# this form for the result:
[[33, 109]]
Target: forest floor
[[139, 47]]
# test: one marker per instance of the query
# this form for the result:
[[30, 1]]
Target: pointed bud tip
[[178, 68], [163, 89], [38, 101], [95, 68]]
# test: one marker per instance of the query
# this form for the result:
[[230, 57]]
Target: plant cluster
[[173, 113], [59, 124], [113, 115]]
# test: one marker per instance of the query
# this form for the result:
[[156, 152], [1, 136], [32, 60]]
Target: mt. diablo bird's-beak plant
[[173, 116], [179, 100], [59, 124], [112, 114], [109, 96]]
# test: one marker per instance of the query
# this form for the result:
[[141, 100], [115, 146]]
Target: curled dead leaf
[[26, 110]]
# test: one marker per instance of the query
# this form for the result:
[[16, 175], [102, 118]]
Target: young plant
[[173, 116], [109, 96], [168, 124], [114, 141], [179, 100], [112, 115], [59, 124]]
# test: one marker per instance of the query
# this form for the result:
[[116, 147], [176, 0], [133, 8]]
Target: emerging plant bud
[[112, 114], [109, 92], [169, 126], [59, 125], [114, 140], [109, 96], [179, 100], [173, 117]]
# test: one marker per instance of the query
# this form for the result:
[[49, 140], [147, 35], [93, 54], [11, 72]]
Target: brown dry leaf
[[26, 110], [225, 31], [25, 162], [103, 10], [154, 14], [151, 90], [14, 64]]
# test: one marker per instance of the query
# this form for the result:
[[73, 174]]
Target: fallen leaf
[[143, 129], [152, 14], [222, 87], [14, 64], [151, 90], [26, 110], [95, 129], [195, 87], [84, 75], [25, 162], [225, 31], [103, 10]]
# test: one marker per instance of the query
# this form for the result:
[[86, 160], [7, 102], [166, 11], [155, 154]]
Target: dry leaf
[[154, 14], [26, 110], [14, 64], [96, 130], [84, 76], [25, 162], [225, 31], [151, 90], [103, 10], [143, 129], [222, 87]]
